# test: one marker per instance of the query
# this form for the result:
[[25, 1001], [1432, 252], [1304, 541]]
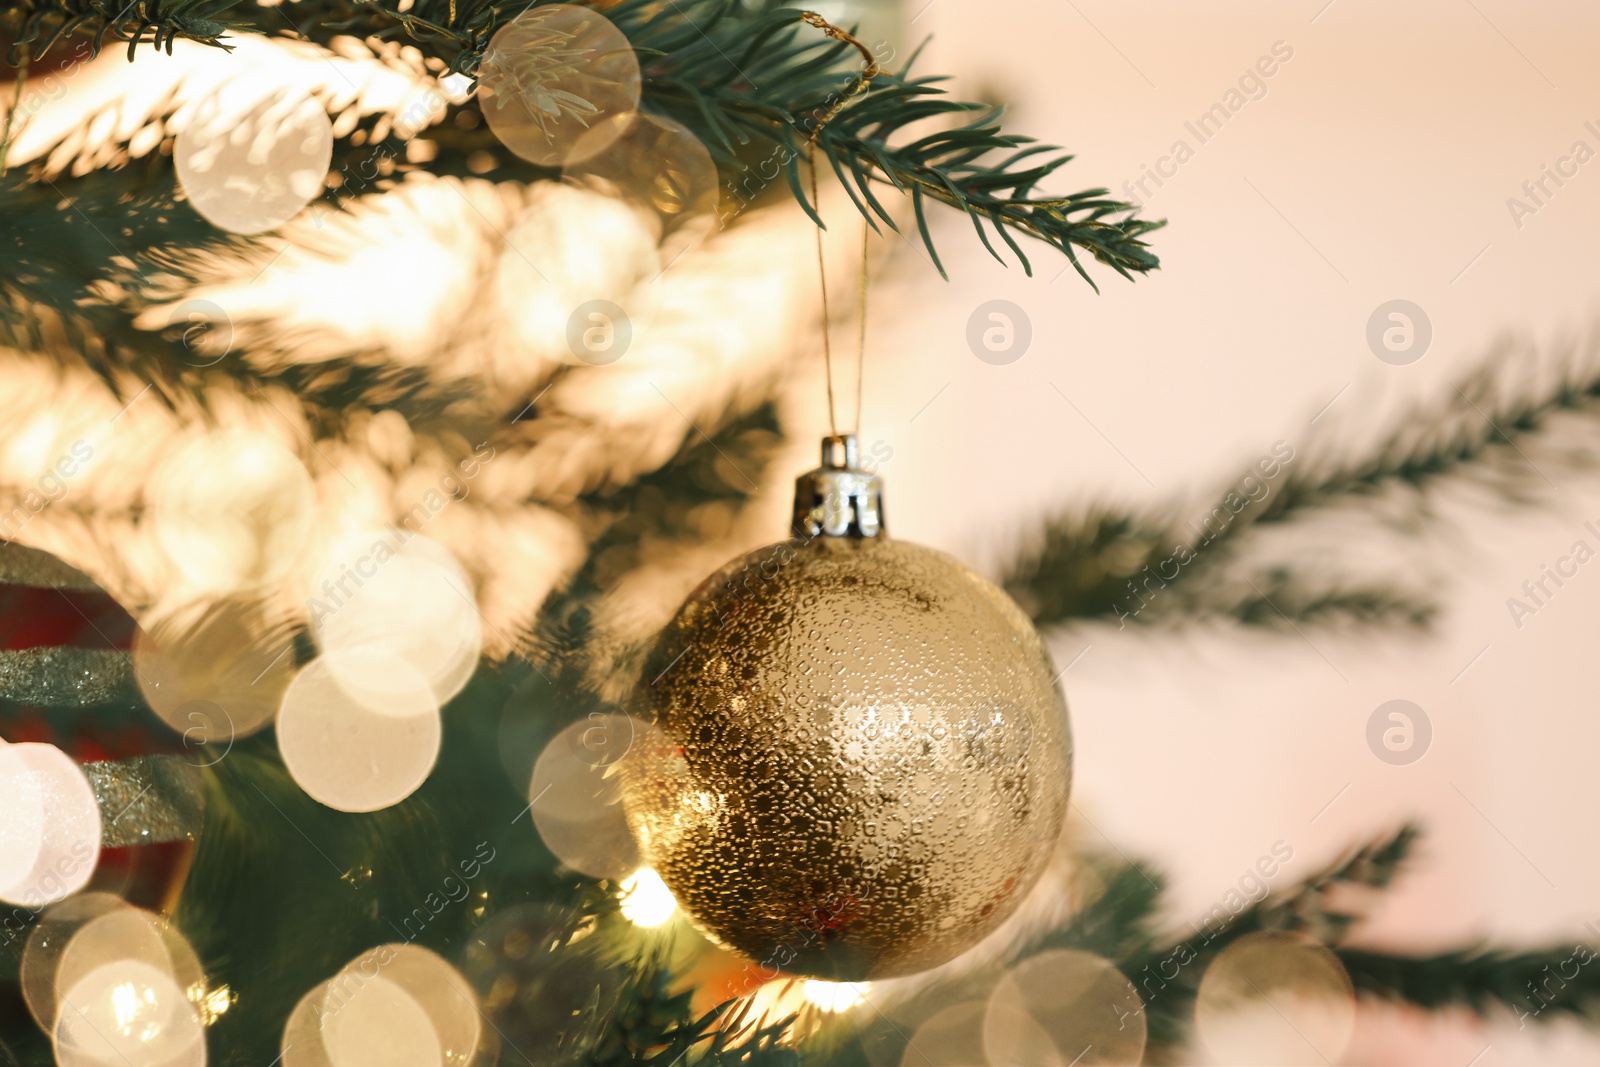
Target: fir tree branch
[[1120, 924], [1147, 565], [85, 254], [80, 251], [40, 25], [1313, 907], [1539, 985], [783, 78], [1147, 568]]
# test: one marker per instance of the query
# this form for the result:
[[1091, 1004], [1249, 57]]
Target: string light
[[835, 996], [646, 900]]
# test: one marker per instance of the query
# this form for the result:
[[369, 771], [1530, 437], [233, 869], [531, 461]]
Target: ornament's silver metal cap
[[838, 499]]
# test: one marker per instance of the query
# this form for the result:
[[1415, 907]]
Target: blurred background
[[1377, 164], [1377, 271]]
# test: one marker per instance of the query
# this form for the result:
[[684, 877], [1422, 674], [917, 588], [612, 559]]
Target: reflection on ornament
[[51, 840], [396, 1004], [249, 165], [231, 510], [1275, 998], [576, 247], [860, 769], [216, 671], [124, 934], [359, 730], [98, 934], [550, 75], [952, 1038], [404, 596], [575, 797], [48, 941], [1064, 1006], [835, 996], [646, 900], [659, 163], [547, 984], [213, 1004], [128, 1012]]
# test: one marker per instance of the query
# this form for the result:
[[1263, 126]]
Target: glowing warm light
[[301, 1044], [835, 996], [396, 1005], [401, 594], [122, 937], [47, 943], [456, 87], [359, 730], [128, 1012], [607, 249], [540, 111], [380, 1025], [660, 164], [127, 1005], [251, 169], [575, 797], [22, 829], [51, 842], [214, 671], [1052, 1006], [231, 509], [1275, 997], [212, 1004], [953, 1037], [646, 900]]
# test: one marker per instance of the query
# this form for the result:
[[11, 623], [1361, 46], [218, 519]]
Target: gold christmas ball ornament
[[859, 759]]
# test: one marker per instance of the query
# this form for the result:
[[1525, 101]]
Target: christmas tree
[[242, 380]]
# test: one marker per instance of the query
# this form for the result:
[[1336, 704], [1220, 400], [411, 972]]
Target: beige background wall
[[1377, 166]]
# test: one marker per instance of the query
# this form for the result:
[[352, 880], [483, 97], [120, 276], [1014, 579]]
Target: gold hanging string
[[822, 275], [857, 86], [861, 319]]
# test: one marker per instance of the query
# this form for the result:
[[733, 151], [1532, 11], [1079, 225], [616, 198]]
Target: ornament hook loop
[[839, 498], [839, 452]]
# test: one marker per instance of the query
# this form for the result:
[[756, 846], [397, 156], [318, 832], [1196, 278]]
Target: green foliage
[[739, 75], [84, 255], [1121, 922], [40, 25], [87, 250], [1106, 562], [1539, 985]]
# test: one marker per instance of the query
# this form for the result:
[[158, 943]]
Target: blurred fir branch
[[65, 282], [652, 1027], [1315, 907], [693, 499], [84, 255], [1120, 921], [1540, 985], [271, 861], [784, 77], [1151, 565], [1121, 924]]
